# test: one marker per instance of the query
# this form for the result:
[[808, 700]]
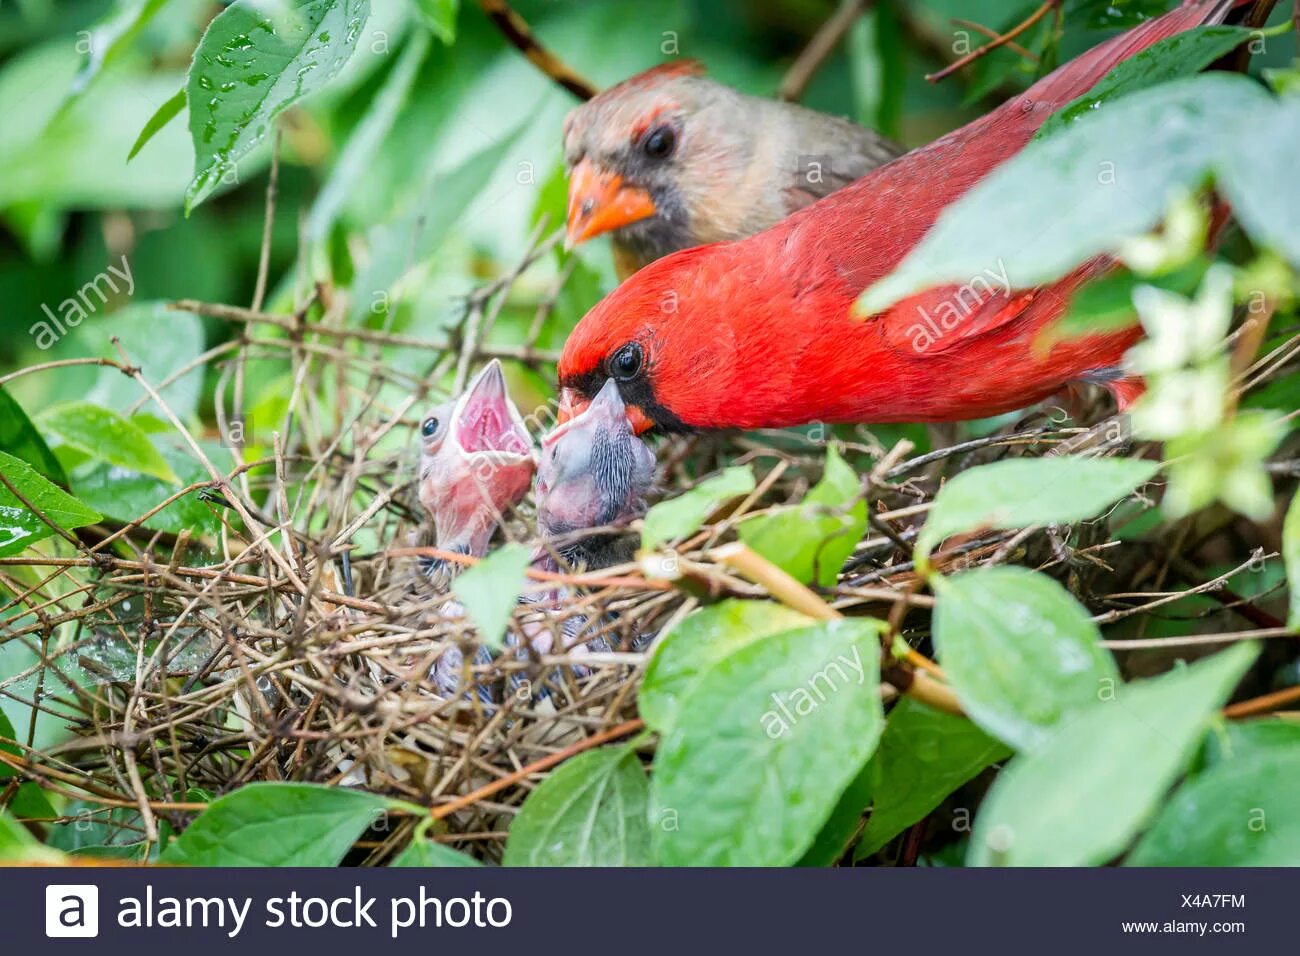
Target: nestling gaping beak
[[600, 201], [573, 403], [594, 470], [476, 465]]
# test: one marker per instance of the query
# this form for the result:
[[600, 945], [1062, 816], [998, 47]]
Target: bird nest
[[296, 644]]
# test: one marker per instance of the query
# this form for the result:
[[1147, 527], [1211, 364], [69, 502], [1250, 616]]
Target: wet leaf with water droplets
[[255, 61], [1180, 55], [19, 526]]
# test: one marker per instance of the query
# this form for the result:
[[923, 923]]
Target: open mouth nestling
[[485, 420]]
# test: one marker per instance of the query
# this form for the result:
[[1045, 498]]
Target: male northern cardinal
[[760, 332], [670, 159]]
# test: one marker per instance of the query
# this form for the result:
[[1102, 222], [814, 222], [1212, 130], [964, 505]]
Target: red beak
[[600, 201]]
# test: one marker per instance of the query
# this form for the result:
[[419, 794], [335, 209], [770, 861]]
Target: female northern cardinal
[[760, 333], [669, 159]]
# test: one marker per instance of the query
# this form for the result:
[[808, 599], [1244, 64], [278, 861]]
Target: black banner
[[645, 911]]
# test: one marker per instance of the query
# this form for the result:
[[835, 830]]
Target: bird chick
[[670, 159], [476, 463], [594, 472]]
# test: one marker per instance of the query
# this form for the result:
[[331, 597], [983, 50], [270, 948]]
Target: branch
[[993, 44], [516, 30], [924, 687], [824, 41], [537, 766]]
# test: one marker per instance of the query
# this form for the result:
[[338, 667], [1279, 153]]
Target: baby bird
[[476, 464], [594, 472]]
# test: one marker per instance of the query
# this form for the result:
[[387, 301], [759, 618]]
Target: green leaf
[[277, 824], [1080, 798], [109, 437], [683, 655], [1172, 58], [1241, 812], [1106, 304], [1259, 181], [426, 854], [114, 36], [19, 527], [1291, 556], [19, 846], [924, 756], [88, 825], [811, 541], [440, 17], [29, 802], [1235, 739], [72, 157], [359, 153], [839, 829], [1077, 194], [255, 60], [489, 590], [593, 811], [19, 437], [764, 745], [1023, 492], [157, 339], [127, 495], [126, 851], [397, 246], [1020, 651], [684, 514], [164, 115]]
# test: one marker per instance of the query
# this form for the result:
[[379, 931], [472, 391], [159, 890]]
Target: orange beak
[[600, 201], [573, 404]]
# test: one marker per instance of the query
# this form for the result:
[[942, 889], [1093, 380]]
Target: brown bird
[[671, 159]]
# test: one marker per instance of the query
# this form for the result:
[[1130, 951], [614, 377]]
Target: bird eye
[[430, 427], [659, 142], [626, 363]]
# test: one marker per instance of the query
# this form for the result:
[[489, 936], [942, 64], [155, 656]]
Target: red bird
[[759, 333]]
